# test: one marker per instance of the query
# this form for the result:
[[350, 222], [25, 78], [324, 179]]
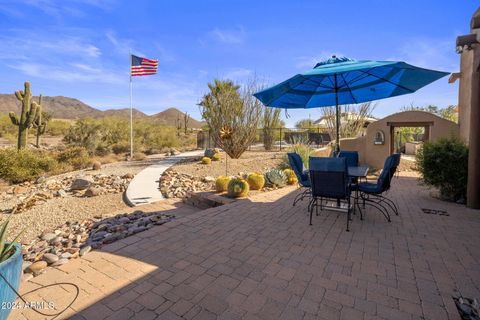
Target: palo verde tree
[[29, 114], [233, 115]]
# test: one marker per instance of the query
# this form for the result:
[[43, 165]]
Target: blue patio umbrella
[[340, 80]]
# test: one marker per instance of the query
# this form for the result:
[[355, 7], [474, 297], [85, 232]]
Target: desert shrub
[[270, 122], [256, 180], [113, 134], [444, 164], [77, 157], [238, 188], [232, 115], [121, 147], [221, 183], [301, 147], [291, 176], [206, 160], [24, 165], [58, 127], [139, 156]]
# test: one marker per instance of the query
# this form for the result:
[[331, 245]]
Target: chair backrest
[[296, 163], [351, 156], [388, 171], [329, 177]]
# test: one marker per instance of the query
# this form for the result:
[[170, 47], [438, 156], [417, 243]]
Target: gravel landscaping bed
[[48, 213]]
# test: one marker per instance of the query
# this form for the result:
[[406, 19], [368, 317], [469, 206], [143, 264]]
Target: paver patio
[[259, 259]]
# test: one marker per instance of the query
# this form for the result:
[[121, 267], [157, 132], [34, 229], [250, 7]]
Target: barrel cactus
[[221, 183], [238, 188], [256, 181], [276, 177], [206, 160], [216, 157], [291, 176]]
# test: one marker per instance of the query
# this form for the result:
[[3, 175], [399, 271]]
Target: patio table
[[357, 172]]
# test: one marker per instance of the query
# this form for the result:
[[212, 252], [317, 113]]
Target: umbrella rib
[[318, 83], [349, 89], [386, 80]]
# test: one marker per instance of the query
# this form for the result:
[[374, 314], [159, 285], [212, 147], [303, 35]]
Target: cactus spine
[[27, 117]]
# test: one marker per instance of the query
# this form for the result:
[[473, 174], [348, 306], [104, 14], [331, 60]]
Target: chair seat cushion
[[369, 187]]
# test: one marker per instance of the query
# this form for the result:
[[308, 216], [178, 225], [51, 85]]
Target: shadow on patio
[[260, 259]]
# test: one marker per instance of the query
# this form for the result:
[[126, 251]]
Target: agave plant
[[6, 249], [276, 177]]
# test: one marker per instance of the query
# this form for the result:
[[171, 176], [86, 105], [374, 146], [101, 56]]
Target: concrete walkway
[[144, 187]]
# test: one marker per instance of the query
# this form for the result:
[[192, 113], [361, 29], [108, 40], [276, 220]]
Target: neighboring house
[[326, 122]]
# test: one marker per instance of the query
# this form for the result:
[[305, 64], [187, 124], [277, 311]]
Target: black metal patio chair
[[329, 180], [302, 175]]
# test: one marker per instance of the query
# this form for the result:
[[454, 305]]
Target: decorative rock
[[19, 190], [96, 165], [59, 262], [41, 180], [61, 193], [49, 236], [93, 192], [85, 250], [25, 265], [208, 179], [50, 258], [66, 255], [128, 175], [81, 183], [37, 267]]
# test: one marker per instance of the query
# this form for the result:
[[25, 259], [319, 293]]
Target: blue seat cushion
[[369, 187]]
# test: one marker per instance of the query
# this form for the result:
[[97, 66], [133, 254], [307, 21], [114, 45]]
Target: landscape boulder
[[81, 183]]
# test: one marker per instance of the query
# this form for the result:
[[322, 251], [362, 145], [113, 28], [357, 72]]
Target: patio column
[[473, 185]]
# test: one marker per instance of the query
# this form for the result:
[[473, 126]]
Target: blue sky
[[79, 48]]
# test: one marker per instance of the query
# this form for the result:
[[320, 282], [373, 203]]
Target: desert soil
[[250, 161], [56, 211]]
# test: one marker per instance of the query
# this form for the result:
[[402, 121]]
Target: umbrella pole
[[337, 116]]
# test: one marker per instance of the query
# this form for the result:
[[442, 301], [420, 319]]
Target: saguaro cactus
[[40, 122], [28, 115]]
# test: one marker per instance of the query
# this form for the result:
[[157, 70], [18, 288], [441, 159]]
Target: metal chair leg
[[311, 209]]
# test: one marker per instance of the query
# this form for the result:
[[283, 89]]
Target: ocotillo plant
[[27, 117], [40, 122]]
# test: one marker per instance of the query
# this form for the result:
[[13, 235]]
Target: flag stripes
[[143, 66]]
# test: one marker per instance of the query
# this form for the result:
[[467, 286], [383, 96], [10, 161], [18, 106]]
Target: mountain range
[[69, 108]]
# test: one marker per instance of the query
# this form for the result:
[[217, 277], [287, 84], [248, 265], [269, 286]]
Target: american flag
[[143, 66]]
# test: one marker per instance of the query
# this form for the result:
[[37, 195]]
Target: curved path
[[144, 188]]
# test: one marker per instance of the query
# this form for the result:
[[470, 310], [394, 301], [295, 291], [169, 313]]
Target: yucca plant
[[6, 249]]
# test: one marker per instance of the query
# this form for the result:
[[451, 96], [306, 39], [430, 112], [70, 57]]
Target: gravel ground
[[58, 210], [250, 161]]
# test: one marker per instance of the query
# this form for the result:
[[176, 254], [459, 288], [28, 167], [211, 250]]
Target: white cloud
[[229, 36], [238, 74], [56, 8], [429, 53], [69, 73]]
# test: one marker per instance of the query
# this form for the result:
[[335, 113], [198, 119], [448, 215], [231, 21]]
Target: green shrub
[[444, 164], [121, 147], [24, 165], [77, 157]]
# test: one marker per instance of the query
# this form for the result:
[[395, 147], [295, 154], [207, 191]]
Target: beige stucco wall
[[355, 144], [374, 155], [465, 93]]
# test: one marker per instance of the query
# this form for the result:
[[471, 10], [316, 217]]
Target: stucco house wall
[[374, 155]]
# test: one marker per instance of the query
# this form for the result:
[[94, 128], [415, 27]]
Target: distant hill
[[170, 116], [70, 108]]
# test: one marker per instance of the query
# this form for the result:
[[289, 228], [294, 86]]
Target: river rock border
[[74, 239]]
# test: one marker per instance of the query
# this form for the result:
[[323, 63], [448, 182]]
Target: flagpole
[[131, 109]]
